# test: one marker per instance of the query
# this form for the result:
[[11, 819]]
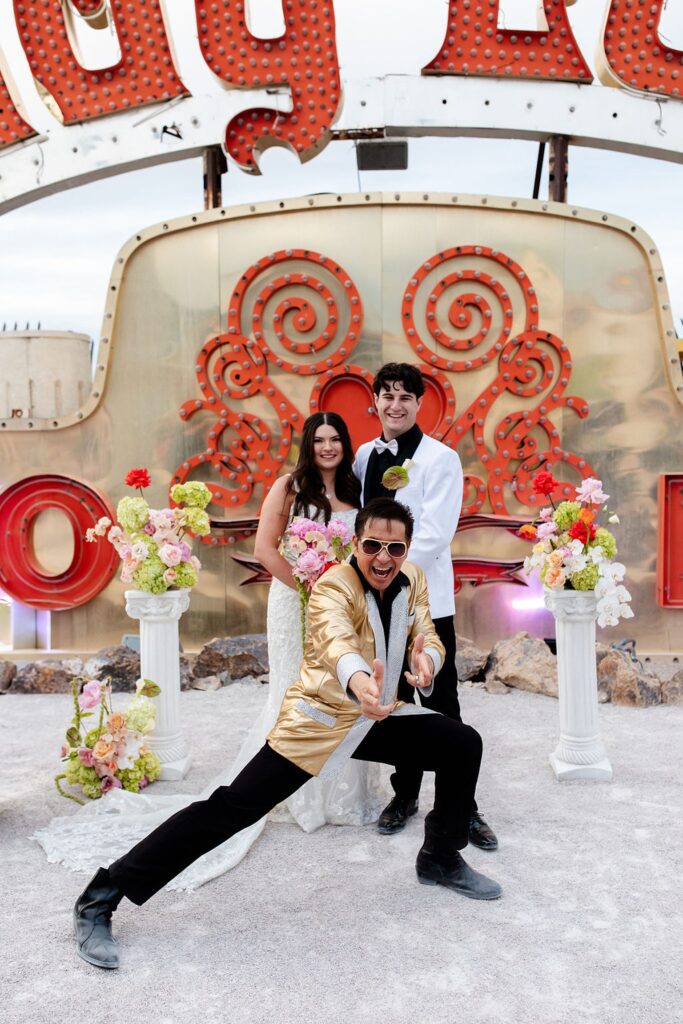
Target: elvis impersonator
[[366, 618]]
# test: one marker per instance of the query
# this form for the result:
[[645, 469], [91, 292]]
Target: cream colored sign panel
[[545, 332]]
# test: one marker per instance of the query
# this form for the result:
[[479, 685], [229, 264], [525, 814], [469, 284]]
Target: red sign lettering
[[635, 53], [474, 45], [92, 565], [304, 57], [144, 74], [13, 128]]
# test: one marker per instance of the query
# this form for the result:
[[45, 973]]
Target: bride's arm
[[272, 524]]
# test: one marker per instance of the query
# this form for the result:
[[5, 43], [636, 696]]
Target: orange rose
[[117, 721], [587, 516], [528, 532], [102, 749]]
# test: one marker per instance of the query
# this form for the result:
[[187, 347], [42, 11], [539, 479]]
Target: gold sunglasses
[[394, 548]]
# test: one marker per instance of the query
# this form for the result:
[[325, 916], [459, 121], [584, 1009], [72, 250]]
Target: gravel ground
[[333, 926]]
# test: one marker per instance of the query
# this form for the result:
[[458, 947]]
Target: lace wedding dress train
[[105, 829]]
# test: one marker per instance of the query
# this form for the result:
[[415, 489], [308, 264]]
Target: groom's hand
[[368, 690], [421, 664]]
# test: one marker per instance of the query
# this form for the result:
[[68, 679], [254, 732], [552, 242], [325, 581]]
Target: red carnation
[[544, 483], [582, 531], [138, 478]]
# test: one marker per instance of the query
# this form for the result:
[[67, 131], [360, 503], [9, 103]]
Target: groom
[[365, 619], [433, 493]]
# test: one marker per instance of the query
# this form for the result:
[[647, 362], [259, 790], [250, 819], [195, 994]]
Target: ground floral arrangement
[[314, 548], [150, 541], [112, 754], [572, 551]]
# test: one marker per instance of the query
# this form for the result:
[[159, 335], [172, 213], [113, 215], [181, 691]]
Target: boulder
[[672, 689], [8, 671], [494, 685], [524, 662], [45, 677], [121, 664], [470, 660], [207, 683], [185, 673], [240, 656], [626, 683]]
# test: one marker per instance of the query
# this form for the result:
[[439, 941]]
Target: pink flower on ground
[[544, 530], [65, 750], [90, 696], [170, 554], [144, 781], [85, 756], [590, 492], [110, 782]]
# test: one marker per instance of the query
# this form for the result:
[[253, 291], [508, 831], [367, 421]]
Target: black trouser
[[433, 742], [407, 781]]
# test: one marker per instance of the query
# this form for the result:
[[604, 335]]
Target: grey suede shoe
[[92, 921]]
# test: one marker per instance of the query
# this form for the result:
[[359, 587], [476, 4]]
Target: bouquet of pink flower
[[150, 542], [313, 548], [572, 550], [113, 754]]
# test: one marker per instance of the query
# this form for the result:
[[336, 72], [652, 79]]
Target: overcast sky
[[56, 254]]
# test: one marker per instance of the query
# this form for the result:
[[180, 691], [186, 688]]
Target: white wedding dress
[[105, 829]]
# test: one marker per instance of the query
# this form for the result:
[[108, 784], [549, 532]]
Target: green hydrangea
[[151, 766], [606, 541], [585, 579], [132, 513], [92, 737], [194, 493], [185, 575], [196, 520], [78, 775], [566, 513], [149, 575], [141, 715]]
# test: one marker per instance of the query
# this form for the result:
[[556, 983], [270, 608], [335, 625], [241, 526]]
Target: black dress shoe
[[395, 815], [92, 921], [454, 873], [480, 834]]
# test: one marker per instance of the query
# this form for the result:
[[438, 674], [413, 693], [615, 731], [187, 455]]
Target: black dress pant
[[431, 742], [407, 781]]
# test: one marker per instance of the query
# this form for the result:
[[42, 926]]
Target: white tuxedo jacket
[[434, 496]]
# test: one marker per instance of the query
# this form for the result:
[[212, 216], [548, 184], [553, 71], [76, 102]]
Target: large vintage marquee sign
[[63, 122]]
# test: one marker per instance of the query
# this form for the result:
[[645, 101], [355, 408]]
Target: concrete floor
[[332, 926]]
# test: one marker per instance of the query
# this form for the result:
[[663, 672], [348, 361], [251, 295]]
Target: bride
[[321, 486]]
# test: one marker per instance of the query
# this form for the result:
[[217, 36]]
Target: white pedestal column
[[580, 753], [160, 661]]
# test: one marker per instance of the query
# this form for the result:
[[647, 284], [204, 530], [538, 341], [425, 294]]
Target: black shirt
[[378, 464]]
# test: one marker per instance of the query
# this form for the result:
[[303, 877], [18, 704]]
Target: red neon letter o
[[92, 565]]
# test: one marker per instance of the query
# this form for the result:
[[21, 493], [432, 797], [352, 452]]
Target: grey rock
[[672, 689], [207, 683], [248, 680], [524, 662], [185, 673], [121, 664], [43, 677], [494, 685], [240, 656], [470, 660], [8, 671]]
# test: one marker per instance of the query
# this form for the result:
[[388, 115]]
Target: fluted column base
[[159, 615]]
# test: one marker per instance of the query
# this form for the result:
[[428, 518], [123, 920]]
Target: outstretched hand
[[421, 664], [368, 690]]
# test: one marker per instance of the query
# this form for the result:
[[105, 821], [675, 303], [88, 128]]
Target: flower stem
[[69, 796]]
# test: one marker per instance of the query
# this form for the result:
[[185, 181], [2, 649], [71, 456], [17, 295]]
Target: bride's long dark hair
[[306, 481]]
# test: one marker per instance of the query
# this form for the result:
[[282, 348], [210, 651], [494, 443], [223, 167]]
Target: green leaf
[[149, 689], [73, 737]]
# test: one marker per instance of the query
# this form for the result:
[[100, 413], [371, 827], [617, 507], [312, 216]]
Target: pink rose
[[169, 577], [195, 563], [590, 492], [170, 554], [90, 696], [85, 756]]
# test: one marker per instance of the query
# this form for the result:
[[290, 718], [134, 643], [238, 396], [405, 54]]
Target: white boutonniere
[[397, 477]]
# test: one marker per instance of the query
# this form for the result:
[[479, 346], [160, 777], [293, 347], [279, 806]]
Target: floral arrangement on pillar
[[151, 542], [114, 753], [574, 551]]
